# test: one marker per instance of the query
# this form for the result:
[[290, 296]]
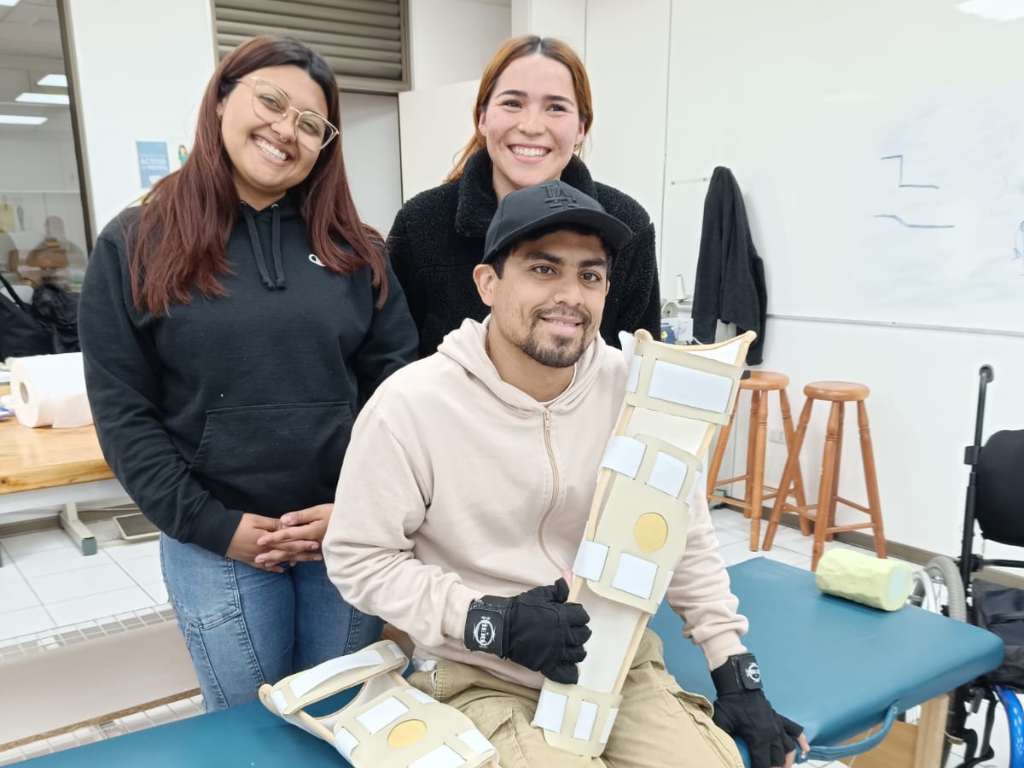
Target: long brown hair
[[184, 227], [517, 48]]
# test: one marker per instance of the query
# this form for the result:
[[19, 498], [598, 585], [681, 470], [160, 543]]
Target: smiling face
[[531, 123], [546, 307], [266, 159]]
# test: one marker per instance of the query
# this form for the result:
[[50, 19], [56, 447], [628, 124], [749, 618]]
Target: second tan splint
[[676, 397], [389, 724]]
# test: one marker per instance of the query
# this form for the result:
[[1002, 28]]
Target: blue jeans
[[244, 626]]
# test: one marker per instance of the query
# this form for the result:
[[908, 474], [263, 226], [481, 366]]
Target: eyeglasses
[[272, 105]]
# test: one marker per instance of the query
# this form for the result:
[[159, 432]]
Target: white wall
[[369, 129], [452, 40], [627, 59], [140, 67], [923, 382], [436, 124], [565, 20], [924, 388]]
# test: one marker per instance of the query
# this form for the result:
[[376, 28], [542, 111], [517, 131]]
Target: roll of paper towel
[[883, 584], [50, 390]]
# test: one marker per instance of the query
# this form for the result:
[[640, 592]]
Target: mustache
[[563, 311]]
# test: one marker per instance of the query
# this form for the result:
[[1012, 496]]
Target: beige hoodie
[[457, 484]]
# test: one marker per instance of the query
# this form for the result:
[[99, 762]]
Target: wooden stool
[[759, 384], [838, 393]]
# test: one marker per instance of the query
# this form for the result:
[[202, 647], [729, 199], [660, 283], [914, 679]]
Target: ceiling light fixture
[[54, 81], [43, 98], [21, 120]]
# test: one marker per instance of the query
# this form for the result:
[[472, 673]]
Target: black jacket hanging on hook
[[730, 274]]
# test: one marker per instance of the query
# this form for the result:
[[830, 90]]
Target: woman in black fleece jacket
[[231, 327], [532, 113]]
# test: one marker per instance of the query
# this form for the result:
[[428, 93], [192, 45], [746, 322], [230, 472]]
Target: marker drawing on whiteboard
[[901, 182], [1018, 244], [899, 220]]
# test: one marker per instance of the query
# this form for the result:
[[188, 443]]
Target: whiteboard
[[879, 145]]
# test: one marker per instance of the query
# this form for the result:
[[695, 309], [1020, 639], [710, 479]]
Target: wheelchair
[[995, 501]]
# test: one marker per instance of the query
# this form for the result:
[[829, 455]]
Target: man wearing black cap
[[466, 491]]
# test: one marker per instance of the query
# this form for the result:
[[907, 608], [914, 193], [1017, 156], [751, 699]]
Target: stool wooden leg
[[828, 470], [792, 467], [834, 495], [798, 479], [723, 440], [870, 479], [755, 401], [757, 471]]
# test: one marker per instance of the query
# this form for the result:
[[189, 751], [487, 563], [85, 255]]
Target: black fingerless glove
[[536, 629], [742, 710]]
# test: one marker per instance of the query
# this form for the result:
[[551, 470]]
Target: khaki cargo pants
[[659, 724]]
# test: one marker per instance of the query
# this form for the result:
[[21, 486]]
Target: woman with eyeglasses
[[232, 325], [532, 114]]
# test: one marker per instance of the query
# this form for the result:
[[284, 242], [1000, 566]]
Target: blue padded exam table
[[834, 666]]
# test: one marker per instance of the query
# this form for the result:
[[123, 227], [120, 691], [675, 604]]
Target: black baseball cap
[[543, 205]]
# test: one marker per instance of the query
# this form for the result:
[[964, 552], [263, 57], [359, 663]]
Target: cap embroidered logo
[[558, 197]]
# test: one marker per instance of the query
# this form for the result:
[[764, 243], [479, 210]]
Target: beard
[[557, 352]]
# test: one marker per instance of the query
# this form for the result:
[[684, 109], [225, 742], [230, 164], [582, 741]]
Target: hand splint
[[389, 724], [676, 397]]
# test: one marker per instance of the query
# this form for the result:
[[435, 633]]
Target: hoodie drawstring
[[257, 249], [275, 247]]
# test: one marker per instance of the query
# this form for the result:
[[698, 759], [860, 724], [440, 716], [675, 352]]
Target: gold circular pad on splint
[[650, 532], [406, 734]]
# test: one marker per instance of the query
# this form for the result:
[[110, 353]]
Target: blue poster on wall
[[153, 164]]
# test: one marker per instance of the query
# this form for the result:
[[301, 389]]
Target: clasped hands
[[268, 543]]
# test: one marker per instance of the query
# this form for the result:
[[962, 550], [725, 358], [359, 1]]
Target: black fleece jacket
[[438, 237], [731, 283], [242, 403]]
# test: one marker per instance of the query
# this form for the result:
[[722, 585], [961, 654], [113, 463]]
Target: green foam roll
[[883, 584]]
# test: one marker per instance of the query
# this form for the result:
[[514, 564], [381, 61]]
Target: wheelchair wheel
[[939, 588]]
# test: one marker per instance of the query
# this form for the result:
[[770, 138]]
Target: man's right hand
[[243, 546], [536, 629]]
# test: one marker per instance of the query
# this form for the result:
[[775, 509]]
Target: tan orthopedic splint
[[676, 397], [389, 724]]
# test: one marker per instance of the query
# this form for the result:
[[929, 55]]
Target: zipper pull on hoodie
[[275, 245]]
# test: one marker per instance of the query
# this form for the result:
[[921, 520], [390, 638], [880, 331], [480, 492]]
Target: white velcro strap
[[310, 679], [550, 710], [421, 697], [668, 474], [585, 721], [442, 757], [634, 373], [623, 455], [386, 712], [476, 741], [607, 730], [635, 576], [590, 560], [693, 388], [279, 701], [345, 742]]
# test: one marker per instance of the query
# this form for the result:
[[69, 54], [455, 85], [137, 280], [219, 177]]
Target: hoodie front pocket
[[271, 459]]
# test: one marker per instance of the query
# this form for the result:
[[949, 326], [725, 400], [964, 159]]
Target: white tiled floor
[[46, 583]]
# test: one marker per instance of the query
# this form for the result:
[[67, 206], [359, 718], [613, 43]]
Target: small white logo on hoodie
[[316, 260]]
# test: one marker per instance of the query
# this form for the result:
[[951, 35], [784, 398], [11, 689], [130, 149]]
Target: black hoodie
[[242, 403]]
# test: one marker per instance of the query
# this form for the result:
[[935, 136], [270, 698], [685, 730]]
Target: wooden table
[[46, 467]]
